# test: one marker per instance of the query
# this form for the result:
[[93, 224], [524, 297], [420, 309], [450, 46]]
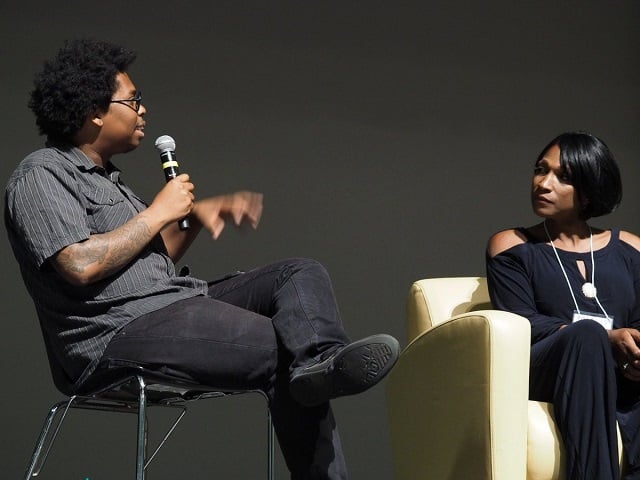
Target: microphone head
[[164, 143]]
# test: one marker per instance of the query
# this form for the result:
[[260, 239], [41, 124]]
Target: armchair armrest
[[457, 400]]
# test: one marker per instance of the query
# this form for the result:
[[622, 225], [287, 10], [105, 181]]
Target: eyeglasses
[[133, 103]]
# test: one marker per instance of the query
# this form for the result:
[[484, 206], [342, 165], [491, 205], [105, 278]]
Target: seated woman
[[579, 286]]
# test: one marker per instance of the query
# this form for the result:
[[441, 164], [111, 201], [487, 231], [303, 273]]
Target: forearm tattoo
[[112, 250]]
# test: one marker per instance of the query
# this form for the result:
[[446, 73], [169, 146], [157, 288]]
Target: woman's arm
[[510, 286], [625, 341]]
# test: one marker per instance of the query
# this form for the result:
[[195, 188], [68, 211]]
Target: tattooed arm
[[104, 254]]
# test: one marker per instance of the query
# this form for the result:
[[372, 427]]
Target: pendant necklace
[[589, 289]]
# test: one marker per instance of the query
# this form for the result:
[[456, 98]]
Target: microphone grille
[[165, 142]]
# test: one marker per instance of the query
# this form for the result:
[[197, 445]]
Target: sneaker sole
[[356, 368]]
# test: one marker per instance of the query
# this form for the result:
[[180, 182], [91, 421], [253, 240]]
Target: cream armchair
[[458, 396]]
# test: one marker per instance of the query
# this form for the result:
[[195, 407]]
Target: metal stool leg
[[270, 447], [270, 439], [58, 413], [142, 430], [55, 417]]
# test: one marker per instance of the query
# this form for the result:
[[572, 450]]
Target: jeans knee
[[308, 266]]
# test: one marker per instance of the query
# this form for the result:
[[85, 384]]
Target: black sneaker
[[350, 369]]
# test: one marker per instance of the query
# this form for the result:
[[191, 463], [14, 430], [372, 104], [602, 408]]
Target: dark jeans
[[253, 330], [575, 370]]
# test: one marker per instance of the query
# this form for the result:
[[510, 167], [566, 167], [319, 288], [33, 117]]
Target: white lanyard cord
[[562, 267]]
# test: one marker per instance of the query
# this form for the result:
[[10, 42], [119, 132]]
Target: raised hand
[[242, 206]]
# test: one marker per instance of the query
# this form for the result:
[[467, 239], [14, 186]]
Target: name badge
[[606, 322]]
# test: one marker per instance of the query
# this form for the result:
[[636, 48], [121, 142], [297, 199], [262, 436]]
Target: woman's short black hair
[[81, 78], [592, 170]]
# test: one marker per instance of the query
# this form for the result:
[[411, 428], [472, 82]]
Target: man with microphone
[[98, 263]]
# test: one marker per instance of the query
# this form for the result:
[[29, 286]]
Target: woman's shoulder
[[631, 239], [505, 239]]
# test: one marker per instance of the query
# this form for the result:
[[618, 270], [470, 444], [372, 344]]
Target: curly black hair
[[81, 78]]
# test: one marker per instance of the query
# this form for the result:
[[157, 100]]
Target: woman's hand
[[624, 342]]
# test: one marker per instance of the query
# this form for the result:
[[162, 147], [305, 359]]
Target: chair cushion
[[545, 450]]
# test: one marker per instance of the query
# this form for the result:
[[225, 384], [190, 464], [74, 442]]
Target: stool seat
[[121, 387]]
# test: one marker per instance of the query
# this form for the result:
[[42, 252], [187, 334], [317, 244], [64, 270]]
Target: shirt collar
[[78, 158]]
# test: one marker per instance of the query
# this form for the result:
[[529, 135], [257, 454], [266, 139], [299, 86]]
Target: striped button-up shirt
[[56, 198]]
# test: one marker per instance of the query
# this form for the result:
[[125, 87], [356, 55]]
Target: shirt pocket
[[106, 209]]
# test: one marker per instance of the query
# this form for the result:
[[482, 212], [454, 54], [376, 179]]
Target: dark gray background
[[390, 140]]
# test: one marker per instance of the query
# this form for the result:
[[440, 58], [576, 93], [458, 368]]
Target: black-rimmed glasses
[[134, 103]]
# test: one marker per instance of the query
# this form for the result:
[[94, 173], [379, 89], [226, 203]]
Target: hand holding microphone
[[167, 148]]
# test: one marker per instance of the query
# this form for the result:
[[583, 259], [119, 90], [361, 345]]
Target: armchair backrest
[[433, 300]]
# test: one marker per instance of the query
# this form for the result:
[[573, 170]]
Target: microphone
[[167, 148]]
